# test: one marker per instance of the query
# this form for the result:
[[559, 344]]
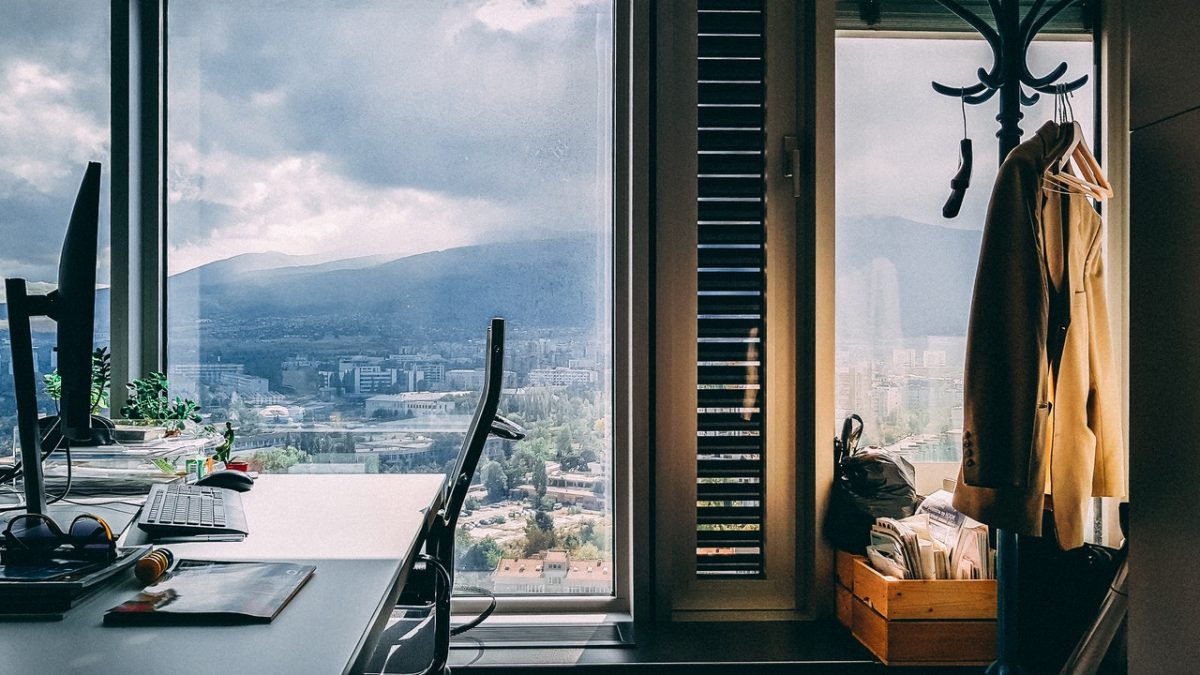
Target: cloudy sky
[[395, 127], [897, 139]]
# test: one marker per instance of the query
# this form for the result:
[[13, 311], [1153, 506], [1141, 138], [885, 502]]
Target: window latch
[[791, 163]]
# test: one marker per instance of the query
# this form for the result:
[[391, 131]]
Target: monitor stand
[[21, 306]]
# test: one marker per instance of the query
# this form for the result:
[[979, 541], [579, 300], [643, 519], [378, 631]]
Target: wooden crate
[[917, 622]]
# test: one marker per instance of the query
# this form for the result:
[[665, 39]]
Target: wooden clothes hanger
[[1078, 171]]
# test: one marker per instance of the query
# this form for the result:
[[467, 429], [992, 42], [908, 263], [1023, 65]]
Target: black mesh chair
[[419, 639]]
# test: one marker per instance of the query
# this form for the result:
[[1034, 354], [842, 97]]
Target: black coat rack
[[1009, 41]]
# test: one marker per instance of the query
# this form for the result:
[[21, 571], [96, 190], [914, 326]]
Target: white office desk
[[360, 531]]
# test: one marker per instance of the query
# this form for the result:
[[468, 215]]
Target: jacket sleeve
[[1104, 399], [1005, 361]]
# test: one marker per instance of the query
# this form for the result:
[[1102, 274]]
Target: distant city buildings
[[907, 391], [552, 571], [561, 377], [410, 404]]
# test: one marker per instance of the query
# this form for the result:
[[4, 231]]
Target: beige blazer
[[1041, 406]]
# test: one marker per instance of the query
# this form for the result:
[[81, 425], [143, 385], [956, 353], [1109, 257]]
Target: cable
[[462, 628], [56, 498]]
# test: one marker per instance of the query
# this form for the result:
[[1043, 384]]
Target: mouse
[[229, 478]]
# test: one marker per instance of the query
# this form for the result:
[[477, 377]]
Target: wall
[[1164, 395]]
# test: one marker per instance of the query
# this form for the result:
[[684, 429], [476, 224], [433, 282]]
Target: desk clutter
[[47, 589], [210, 592], [925, 593], [915, 577], [937, 542], [917, 622]]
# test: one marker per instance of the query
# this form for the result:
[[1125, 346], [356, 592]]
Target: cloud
[[43, 128], [54, 113], [427, 97], [897, 139], [518, 15], [298, 205]]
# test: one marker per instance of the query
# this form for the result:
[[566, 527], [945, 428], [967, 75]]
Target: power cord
[[16, 472], [460, 629]]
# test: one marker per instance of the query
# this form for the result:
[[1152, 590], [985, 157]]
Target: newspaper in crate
[[937, 542]]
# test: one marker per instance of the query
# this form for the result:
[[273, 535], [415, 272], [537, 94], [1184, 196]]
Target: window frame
[[138, 273], [139, 235], [1110, 94], [816, 33]]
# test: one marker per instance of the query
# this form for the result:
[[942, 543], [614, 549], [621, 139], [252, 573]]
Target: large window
[[54, 119], [904, 273], [352, 194]]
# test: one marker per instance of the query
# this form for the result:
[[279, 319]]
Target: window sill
[[696, 648]]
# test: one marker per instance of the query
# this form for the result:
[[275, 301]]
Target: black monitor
[[73, 306]]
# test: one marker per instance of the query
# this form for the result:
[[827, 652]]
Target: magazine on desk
[[210, 592]]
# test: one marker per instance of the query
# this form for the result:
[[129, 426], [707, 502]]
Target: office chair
[[422, 636]]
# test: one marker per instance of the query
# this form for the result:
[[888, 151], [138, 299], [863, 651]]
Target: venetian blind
[[731, 305]]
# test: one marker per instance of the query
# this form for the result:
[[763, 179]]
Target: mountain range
[[901, 278], [896, 278], [540, 284]]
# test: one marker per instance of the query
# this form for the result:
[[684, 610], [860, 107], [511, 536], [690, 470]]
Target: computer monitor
[[72, 305]]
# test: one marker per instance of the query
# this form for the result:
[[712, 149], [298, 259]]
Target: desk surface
[[361, 542]]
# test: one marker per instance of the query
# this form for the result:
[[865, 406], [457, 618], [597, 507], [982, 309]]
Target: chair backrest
[[481, 426]]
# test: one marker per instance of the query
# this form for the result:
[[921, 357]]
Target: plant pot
[[238, 466], [138, 431]]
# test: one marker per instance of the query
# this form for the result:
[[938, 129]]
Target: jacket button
[[970, 462]]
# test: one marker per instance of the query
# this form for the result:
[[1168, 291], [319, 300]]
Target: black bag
[[867, 484]]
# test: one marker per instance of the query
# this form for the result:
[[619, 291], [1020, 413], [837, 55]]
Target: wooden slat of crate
[[845, 605], [845, 569], [915, 643], [921, 599]]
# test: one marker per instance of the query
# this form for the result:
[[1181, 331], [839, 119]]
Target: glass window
[[54, 119], [904, 273], [352, 194]]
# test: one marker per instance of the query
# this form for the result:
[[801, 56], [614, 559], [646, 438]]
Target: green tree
[[586, 552], [279, 460], [537, 538], [494, 481], [539, 478], [482, 556], [562, 441]]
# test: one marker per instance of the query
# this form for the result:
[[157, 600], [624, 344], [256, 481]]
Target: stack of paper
[[937, 542]]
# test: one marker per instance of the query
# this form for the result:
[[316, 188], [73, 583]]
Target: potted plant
[[148, 402]]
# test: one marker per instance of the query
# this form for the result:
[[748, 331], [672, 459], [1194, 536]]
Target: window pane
[[54, 119], [904, 273], [350, 200]]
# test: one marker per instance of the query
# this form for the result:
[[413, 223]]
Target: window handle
[[791, 163]]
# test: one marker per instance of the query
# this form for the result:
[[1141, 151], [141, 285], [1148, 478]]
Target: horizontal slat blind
[[731, 211], [929, 16]]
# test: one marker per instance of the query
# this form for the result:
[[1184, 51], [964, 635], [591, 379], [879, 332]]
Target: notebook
[[209, 592]]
